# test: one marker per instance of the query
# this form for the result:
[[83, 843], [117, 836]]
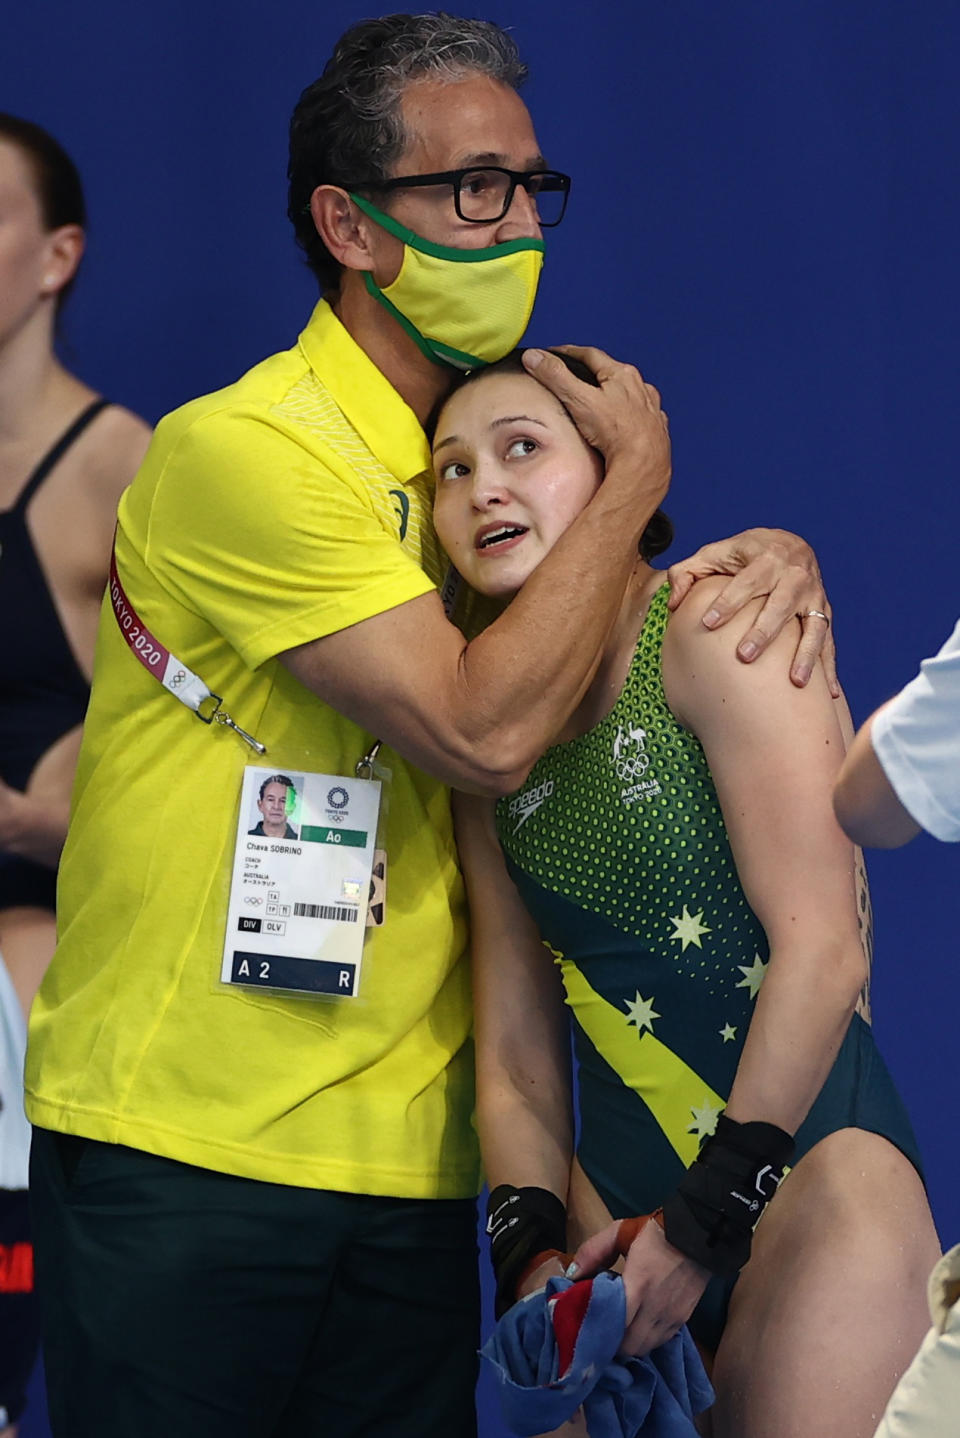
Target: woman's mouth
[[498, 537]]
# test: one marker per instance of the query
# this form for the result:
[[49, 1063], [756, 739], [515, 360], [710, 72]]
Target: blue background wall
[[764, 217]]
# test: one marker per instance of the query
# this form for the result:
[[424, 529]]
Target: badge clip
[[219, 715], [365, 769], [222, 717]]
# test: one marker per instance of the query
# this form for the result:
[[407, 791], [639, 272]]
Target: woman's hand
[[620, 416], [663, 1287], [780, 566]]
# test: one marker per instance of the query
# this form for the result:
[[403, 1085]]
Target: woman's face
[[30, 264], [512, 473]]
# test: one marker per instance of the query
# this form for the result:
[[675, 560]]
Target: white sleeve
[[916, 738], [926, 1401]]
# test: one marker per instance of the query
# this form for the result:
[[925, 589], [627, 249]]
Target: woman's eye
[[453, 470], [519, 447]]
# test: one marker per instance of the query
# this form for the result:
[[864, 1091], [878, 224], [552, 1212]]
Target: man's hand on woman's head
[[783, 567], [620, 415]]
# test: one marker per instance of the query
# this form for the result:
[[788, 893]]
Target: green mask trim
[[374, 289], [442, 252], [433, 349], [462, 308]]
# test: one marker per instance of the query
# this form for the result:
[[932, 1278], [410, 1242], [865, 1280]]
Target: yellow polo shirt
[[288, 506]]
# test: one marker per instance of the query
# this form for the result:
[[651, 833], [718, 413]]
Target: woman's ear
[[63, 252]]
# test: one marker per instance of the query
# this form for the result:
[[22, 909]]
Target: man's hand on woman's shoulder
[[780, 567]]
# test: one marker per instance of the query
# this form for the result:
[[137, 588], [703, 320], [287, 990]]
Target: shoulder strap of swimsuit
[[57, 451]]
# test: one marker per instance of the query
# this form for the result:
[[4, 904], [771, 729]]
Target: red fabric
[[569, 1311], [535, 1263], [16, 1268], [630, 1227]]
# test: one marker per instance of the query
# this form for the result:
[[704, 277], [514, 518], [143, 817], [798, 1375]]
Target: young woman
[[65, 457], [673, 871]]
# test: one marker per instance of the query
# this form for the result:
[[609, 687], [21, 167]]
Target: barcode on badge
[[325, 911]]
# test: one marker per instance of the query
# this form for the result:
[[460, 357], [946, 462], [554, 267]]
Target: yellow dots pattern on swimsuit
[[624, 822], [617, 845]]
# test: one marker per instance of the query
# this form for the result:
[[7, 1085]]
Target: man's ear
[[342, 227]]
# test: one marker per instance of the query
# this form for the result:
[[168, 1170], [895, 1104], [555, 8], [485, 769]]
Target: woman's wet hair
[[56, 180], [658, 535]]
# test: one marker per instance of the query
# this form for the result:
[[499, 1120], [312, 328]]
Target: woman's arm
[[72, 524], [774, 752], [33, 824], [524, 1107]]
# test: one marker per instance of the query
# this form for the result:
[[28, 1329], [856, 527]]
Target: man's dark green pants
[[179, 1301]]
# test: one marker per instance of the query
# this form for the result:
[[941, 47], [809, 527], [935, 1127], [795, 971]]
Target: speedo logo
[[523, 806]]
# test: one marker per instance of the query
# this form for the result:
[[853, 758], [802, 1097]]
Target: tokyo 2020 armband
[[712, 1213], [524, 1224]]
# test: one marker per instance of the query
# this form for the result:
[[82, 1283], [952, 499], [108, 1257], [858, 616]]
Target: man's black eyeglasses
[[483, 195]]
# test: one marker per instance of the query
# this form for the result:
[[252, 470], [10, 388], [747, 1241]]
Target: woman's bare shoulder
[[702, 672], [687, 636], [118, 441]]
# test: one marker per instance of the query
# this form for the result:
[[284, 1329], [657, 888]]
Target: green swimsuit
[[618, 848]]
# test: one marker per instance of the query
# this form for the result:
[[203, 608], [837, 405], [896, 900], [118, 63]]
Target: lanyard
[[172, 673]]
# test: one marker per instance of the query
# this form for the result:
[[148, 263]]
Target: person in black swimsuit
[[43, 691], [65, 456]]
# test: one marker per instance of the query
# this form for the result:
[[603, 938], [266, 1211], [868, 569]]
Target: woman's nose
[[488, 487]]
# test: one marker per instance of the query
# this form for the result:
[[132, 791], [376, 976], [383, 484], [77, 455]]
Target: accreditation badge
[[301, 882]]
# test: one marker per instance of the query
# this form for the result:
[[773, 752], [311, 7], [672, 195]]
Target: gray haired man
[[255, 1199]]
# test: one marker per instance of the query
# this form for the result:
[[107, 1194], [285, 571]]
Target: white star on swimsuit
[[752, 976], [690, 929], [641, 1012], [704, 1120]]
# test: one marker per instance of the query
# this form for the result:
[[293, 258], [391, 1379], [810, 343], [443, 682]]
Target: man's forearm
[[522, 677], [478, 714]]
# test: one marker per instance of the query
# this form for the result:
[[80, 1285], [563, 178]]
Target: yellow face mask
[[464, 308]]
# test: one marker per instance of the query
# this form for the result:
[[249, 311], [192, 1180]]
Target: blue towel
[[657, 1395]]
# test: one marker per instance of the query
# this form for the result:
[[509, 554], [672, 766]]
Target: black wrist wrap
[[711, 1215], [521, 1222]]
